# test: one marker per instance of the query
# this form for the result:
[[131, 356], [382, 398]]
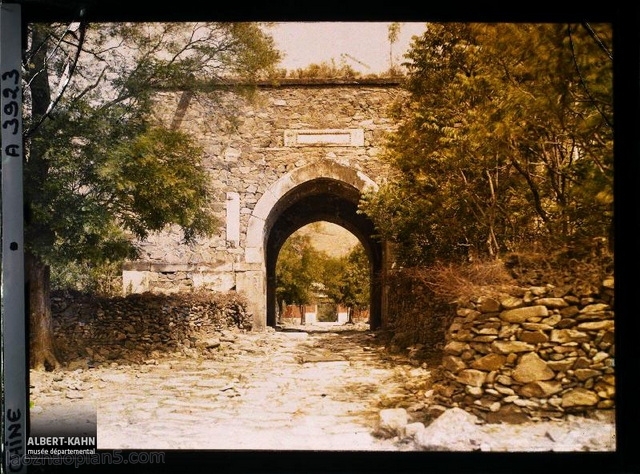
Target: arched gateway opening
[[320, 199], [323, 191]]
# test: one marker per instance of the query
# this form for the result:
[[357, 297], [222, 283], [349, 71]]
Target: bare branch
[[582, 81], [533, 188]]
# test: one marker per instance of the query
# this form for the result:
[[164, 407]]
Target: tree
[[357, 278], [299, 266], [504, 142], [98, 170], [347, 279], [393, 31]]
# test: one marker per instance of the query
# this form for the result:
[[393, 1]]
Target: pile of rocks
[[457, 430], [539, 352], [134, 326]]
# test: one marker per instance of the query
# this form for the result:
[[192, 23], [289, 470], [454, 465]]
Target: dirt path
[[321, 388], [284, 390]]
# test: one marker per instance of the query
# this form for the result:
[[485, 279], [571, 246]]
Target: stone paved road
[[284, 390], [318, 389]]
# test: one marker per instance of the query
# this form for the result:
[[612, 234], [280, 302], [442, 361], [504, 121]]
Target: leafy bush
[[504, 142], [104, 279]]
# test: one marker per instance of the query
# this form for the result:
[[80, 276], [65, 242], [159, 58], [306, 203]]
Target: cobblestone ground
[[317, 389], [303, 388]]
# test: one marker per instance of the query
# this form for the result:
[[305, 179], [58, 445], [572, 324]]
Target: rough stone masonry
[[258, 151], [534, 352]]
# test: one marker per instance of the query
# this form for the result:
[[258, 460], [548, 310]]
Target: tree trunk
[[37, 291], [41, 348]]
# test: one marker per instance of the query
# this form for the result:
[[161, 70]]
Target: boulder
[[454, 430], [392, 422]]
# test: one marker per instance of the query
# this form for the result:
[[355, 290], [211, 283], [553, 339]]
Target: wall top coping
[[339, 82], [294, 83], [161, 267]]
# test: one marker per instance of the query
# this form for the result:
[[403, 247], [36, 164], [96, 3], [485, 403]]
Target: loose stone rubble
[[537, 352], [458, 430], [90, 330]]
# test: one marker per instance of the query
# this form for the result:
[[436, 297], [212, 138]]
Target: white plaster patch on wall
[[134, 282], [216, 281], [311, 314], [233, 219], [324, 137]]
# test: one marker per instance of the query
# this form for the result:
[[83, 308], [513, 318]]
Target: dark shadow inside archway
[[322, 199]]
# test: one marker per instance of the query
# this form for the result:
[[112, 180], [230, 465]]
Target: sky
[[362, 45]]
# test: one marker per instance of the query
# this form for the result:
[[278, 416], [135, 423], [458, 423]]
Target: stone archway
[[326, 191]]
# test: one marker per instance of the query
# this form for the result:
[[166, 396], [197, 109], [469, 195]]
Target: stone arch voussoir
[[256, 228], [255, 285]]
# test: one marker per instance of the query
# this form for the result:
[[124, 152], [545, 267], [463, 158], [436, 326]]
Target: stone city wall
[[250, 143]]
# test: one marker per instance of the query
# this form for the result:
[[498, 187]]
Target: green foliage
[[99, 171], [156, 179], [393, 32], [104, 279], [326, 312], [298, 267], [182, 55], [347, 279], [325, 70], [302, 270], [505, 142]]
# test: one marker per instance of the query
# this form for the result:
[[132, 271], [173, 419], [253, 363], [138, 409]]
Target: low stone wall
[[536, 352], [135, 327]]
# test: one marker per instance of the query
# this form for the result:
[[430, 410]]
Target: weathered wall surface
[[539, 351], [281, 129], [91, 330]]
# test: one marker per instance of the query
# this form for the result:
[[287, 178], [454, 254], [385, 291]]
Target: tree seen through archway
[[323, 265]]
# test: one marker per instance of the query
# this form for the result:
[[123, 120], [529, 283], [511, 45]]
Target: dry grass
[[423, 300], [454, 280], [560, 269]]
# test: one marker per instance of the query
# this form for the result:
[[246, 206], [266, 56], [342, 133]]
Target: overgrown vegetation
[[342, 70], [503, 168], [324, 70], [505, 144], [103, 279], [417, 316], [422, 300], [98, 170], [334, 70]]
